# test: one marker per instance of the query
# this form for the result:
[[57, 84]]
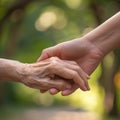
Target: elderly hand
[[52, 73]]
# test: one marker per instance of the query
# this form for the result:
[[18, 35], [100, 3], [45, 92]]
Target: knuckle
[[54, 58], [54, 62]]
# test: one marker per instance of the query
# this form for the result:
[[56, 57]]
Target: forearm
[[106, 36], [9, 70]]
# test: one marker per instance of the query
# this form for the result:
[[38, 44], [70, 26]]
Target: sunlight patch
[[73, 4], [51, 17]]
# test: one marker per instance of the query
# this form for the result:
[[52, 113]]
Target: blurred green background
[[29, 26]]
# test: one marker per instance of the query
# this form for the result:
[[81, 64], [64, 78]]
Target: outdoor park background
[[29, 26]]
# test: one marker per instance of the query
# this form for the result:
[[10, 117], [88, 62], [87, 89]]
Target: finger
[[56, 82], [69, 74], [53, 91], [74, 66], [70, 91], [43, 56], [83, 75], [45, 84], [65, 61], [87, 85], [60, 84], [47, 53]]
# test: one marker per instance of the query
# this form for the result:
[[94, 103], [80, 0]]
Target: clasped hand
[[54, 73]]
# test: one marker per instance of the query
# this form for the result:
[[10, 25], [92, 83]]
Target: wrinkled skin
[[82, 51], [52, 73]]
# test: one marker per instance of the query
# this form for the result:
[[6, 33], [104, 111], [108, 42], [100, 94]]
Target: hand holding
[[53, 73], [86, 54]]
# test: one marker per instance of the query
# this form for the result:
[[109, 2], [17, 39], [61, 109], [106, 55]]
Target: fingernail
[[86, 89], [65, 93]]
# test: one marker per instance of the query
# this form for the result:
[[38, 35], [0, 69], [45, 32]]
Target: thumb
[[47, 53]]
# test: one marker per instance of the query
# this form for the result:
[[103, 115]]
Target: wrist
[[105, 42], [22, 72], [106, 37], [97, 42], [9, 70], [87, 45], [17, 71]]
